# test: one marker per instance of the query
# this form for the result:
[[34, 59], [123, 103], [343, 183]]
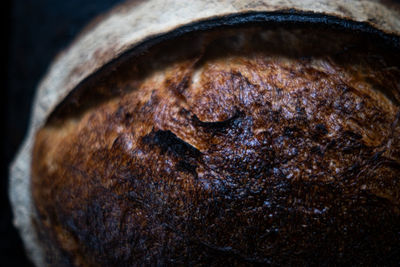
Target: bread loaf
[[239, 133]]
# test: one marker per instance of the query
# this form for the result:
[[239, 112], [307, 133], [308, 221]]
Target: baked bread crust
[[125, 32], [245, 145]]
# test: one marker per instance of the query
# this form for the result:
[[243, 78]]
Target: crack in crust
[[242, 146]]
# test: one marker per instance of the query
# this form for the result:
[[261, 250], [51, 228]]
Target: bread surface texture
[[247, 145]]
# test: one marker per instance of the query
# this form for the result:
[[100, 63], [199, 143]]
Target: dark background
[[35, 32]]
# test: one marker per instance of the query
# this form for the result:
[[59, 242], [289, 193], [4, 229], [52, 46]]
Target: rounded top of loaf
[[138, 24]]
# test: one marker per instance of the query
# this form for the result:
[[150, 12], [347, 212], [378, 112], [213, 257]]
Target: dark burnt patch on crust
[[244, 150], [216, 125], [168, 142]]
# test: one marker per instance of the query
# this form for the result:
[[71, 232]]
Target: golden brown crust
[[249, 145]]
